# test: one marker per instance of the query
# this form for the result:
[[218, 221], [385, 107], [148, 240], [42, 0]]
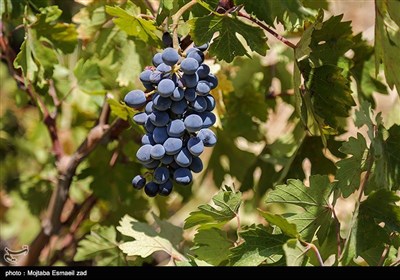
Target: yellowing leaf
[[147, 239]]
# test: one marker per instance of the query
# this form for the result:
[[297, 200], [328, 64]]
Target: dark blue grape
[[197, 165], [164, 68], [196, 54], [172, 146], [143, 154], [149, 126], [193, 123], [161, 175], [157, 151], [140, 118], [208, 137], [151, 189], [195, 146], [179, 107], [148, 139], [157, 59], [138, 182], [166, 87], [170, 56], [199, 104], [183, 158], [156, 77], [178, 94], [159, 118], [161, 103], [167, 159], [212, 81], [203, 71], [189, 66], [183, 176], [135, 98], [208, 118], [145, 76], [210, 102], [190, 94], [190, 81], [160, 135], [203, 88], [149, 108], [166, 188], [176, 128]]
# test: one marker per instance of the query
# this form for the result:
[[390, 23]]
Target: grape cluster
[[177, 116]]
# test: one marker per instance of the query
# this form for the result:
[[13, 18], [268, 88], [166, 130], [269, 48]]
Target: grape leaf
[[365, 232], [387, 40], [363, 70], [25, 61], [227, 149], [63, 36], [295, 252], [211, 245], [290, 13], [392, 149], [226, 45], [320, 55], [316, 4], [102, 246], [314, 201], [87, 73], [147, 239], [312, 148], [133, 25], [228, 203], [259, 246], [282, 223], [349, 169], [330, 41], [330, 92]]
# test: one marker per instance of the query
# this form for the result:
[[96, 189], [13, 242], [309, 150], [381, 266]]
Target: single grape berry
[[138, 182]]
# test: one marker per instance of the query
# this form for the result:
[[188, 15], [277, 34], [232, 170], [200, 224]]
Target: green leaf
[[363, 70], [147, 239], [330, 92], [133, 25], [100, 245], [282, 223], [295, 252], [330, 41], [227, 205], [63, 36], [290, 13], [88, 75], [365, 232], [392, 149], [226, 46], [211, 245], [320, 59], [349, 169], [314, 200], [381, 207], [131, 67], [119, 109], [387, 40], [25, 61], [259, 246]]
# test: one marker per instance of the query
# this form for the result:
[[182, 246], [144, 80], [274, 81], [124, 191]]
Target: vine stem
[[175, 22], [316, 252], [268, 29]]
